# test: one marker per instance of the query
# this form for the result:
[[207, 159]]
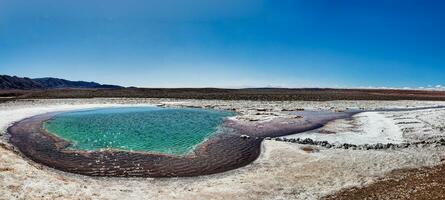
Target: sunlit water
[[163, 130]]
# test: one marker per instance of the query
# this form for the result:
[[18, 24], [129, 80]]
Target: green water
[[153, 129]]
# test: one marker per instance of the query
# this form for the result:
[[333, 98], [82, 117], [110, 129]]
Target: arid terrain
[[265, 94], [289, 167]]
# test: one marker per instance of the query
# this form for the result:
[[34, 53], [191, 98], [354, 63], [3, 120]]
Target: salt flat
[[283, 171]]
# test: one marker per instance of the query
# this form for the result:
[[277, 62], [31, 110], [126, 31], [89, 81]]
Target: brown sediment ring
[[221, 152]]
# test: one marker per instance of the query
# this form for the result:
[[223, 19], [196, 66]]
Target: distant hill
[[14, 82]]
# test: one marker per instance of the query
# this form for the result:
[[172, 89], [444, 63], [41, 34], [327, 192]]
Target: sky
[[227, 43]]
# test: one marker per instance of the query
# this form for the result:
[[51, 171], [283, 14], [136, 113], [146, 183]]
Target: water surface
[[153, 129]]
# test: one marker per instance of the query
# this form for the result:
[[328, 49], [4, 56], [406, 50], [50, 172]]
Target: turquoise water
[[164, 130]]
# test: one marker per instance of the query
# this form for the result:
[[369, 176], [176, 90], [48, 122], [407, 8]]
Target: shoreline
[[219, 153], [282, 171]]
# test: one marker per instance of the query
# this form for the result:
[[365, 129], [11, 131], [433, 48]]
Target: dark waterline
[[220, 153]]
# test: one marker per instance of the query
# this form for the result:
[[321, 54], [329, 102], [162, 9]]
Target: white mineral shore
[[283, 171], [382, 127]]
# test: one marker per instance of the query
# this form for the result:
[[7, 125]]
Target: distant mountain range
[[14, 82]]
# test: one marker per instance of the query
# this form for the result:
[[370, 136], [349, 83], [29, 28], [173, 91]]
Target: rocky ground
[[426, 183], [284, 170], [263, 94]]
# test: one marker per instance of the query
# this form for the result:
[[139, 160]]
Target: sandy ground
[[382, 127], [283, 171]]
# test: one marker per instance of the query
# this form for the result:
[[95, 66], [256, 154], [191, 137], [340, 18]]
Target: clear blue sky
[[226, 43]]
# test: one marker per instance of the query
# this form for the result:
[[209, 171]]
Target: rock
[[245, 137], [209, 106], [378, 146], [261, 109], [307, 141], [366, 147], [267, 138], [309, 149], [193, 106]]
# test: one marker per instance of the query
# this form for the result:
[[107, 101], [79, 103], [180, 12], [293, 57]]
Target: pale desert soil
[[283, 171]]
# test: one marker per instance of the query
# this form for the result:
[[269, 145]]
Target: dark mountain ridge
[[19, 83]]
